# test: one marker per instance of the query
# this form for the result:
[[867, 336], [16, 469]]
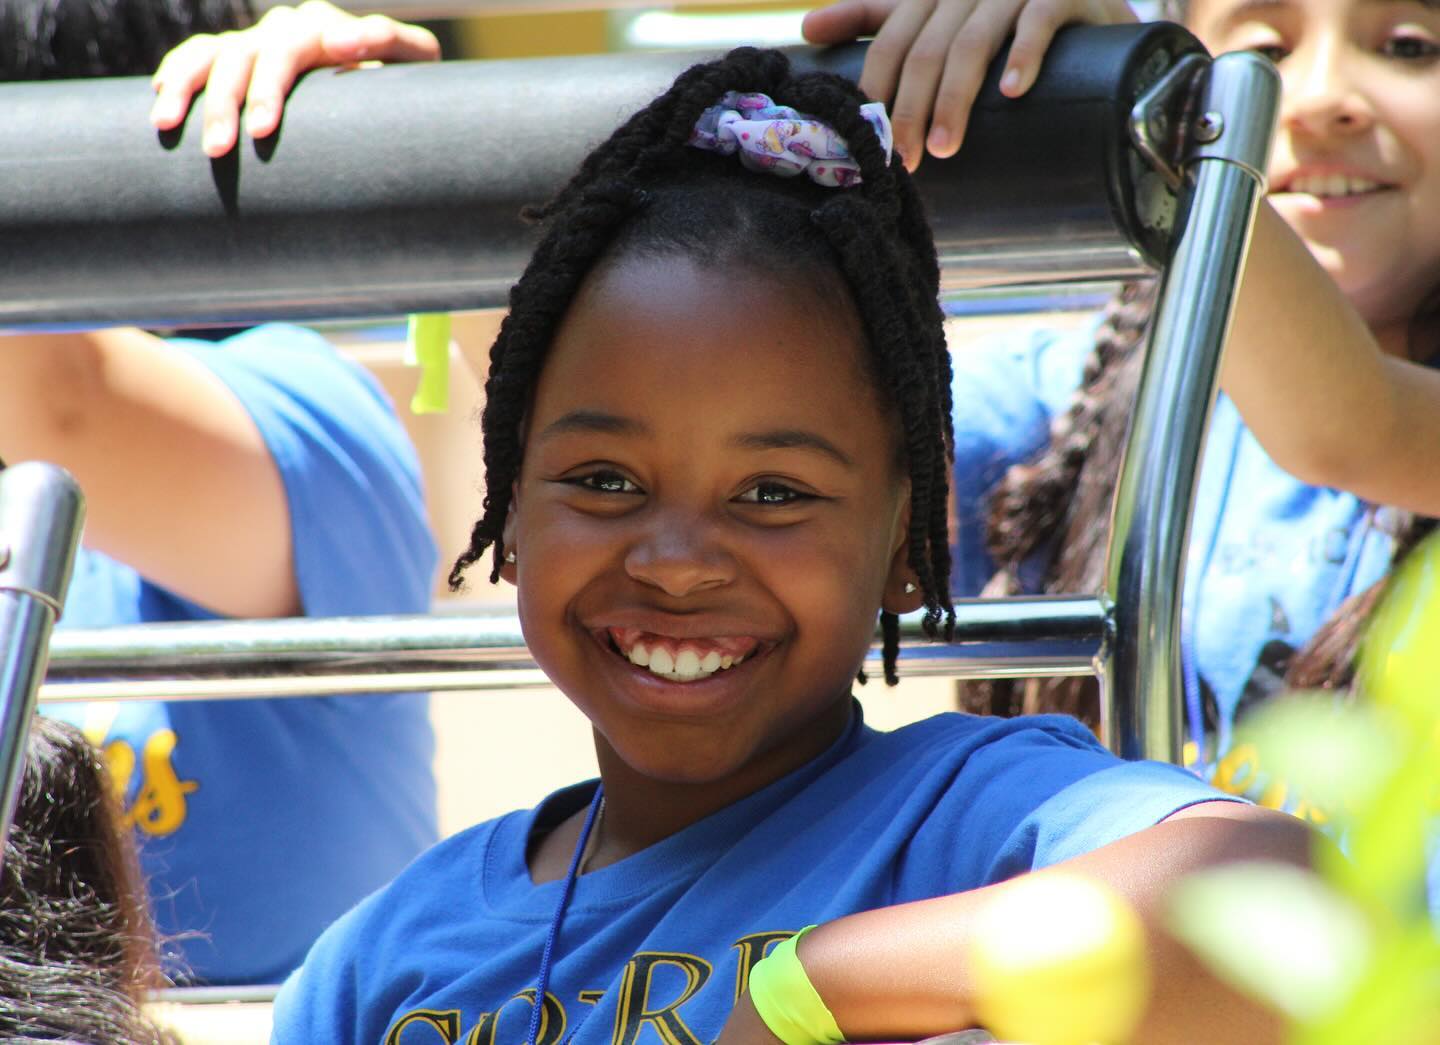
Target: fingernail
[[1010, 82], [939, 141], [259, 119], [167, 110], [215, 142]]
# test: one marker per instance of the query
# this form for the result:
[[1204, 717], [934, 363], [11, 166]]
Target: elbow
[[1339, 462]]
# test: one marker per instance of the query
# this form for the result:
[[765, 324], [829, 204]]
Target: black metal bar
[[398, 189]]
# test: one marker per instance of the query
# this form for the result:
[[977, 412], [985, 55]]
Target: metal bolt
[[1209, 127]]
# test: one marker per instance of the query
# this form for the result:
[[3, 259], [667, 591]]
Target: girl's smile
[[710, 510], [1356, 163]]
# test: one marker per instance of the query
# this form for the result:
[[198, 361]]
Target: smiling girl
[[1322, 466], [717, 445]]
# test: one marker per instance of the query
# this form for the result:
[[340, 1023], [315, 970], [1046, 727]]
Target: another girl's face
[[1356, 166], [707, 517]]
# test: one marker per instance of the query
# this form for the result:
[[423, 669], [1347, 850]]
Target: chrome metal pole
[[1225, 176], [995, 638], [41, 511]]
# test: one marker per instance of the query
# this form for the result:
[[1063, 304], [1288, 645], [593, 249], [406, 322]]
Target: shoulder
[[962, 736], [957, 765], [277, 362], [351, 475], [385, 940], [994, 797]]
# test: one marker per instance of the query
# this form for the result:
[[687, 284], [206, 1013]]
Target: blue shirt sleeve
[[1006, 391], [362, 543], [1050, 792]]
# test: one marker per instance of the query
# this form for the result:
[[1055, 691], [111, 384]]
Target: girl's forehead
[[1205, 16], [658, 337]]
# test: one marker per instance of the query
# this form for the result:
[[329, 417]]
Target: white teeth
[[687, 664], [1333, 185]]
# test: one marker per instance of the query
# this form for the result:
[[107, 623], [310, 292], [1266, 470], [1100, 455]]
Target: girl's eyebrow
[[594, 421], [1241, 11], [791, 439], [1250, 7], [602, 423]]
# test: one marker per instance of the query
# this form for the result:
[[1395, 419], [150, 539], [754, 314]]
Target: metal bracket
[[1160, 120], [1238, 101], [1198, 111]]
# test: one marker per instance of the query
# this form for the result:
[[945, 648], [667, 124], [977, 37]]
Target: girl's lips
[[685, 659], [735, 646], [1307, 203]]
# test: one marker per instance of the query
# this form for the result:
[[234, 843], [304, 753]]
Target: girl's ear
[[902, 587], [510, 566]]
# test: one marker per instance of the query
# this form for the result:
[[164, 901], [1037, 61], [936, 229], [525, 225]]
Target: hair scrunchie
[[776, 139]]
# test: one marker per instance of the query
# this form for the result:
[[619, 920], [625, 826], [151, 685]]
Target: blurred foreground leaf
[[1274, 932]]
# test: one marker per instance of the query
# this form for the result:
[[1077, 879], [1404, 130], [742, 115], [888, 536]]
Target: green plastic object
[[427, 345]]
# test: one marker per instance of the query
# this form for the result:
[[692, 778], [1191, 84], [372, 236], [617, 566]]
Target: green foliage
[[1349, 955]]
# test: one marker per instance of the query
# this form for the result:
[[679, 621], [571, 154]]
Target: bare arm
[[178, 481], [899, 973], [1312, 383]]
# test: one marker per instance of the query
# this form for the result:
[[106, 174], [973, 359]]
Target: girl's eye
[[1410, 48], [605, 482], [772, 493]]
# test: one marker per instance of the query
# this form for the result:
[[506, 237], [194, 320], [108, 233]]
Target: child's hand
[[259, 65], [929, 56]]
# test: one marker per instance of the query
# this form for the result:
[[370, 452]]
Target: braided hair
[[1059, 505], [644, 192]]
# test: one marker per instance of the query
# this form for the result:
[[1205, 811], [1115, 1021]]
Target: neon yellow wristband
[[788, 1002]]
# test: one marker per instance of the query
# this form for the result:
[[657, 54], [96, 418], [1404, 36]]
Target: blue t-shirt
[[261, 821], [667, 937], [1270, 557]]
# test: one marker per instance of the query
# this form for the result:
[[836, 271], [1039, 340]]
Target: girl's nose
[[680, 557], [1322, 96]]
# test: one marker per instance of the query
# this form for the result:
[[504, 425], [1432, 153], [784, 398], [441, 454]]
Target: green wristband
[[788, 1002]]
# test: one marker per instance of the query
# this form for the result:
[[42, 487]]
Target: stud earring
[[910, 588], [510, 558]]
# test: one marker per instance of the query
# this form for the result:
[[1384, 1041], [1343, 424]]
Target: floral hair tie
[[778, 140]]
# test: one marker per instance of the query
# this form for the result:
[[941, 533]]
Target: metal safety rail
[[395, 189], [41, 512], [399, 189]]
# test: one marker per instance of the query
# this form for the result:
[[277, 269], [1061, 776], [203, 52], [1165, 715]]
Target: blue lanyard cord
[[542, 982]]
